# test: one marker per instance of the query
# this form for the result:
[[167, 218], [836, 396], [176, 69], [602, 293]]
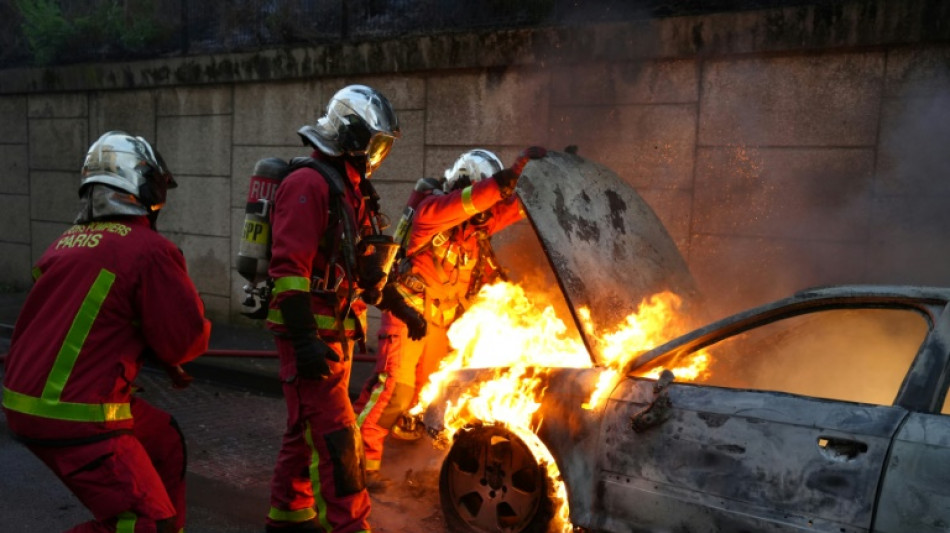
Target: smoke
[[850, 355]]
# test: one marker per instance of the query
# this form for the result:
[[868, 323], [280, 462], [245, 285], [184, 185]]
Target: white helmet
[[128, 164], [359, 123], [471, 167]]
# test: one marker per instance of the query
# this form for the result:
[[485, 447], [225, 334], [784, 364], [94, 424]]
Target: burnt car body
[[823, 411]]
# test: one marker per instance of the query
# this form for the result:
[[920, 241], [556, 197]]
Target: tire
[[491, 482]]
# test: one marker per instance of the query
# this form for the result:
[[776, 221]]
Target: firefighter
[[319, 214], [448, 258], [109, 293]]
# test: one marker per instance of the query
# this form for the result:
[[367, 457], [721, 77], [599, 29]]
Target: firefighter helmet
[[359, 123], [130, 164], [471, 167]]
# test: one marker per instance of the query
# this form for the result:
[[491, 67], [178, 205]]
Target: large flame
[[520, 340]]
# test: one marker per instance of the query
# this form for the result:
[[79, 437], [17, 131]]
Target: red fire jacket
[[104, 292], [304, 239], [443, 251]]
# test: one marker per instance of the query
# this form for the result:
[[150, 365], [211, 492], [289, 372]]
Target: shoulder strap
[[334, 180]]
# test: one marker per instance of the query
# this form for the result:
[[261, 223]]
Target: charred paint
[[731, 448], [572, 224], [617, 210], [713, 420]]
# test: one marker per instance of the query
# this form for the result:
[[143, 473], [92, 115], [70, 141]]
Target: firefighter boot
[[376, 483]]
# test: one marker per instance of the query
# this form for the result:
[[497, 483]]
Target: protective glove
[[393, 302], [372, 285], [529, 153], [311, 357], [508, 178], [375, 256], [311, 354]]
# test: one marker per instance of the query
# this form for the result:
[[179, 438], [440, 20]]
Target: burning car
[[824, 411]]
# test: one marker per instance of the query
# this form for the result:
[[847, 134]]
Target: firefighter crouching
[[448, 258], [320, 212], [109, 292]]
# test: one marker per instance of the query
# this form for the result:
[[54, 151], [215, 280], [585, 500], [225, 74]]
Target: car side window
[[858, 355]]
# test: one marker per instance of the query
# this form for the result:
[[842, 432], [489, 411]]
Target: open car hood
[[606, 246]]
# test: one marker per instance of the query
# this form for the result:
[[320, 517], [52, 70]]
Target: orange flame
[[507, 331]]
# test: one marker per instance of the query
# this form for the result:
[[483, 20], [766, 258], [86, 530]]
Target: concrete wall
[[782, 149]]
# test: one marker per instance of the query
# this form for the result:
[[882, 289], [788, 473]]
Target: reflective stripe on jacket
[[105, 293]]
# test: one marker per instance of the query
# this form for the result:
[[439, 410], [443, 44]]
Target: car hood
[[606, 246]]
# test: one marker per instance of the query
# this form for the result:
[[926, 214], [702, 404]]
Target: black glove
[[529, 153], [375, 257], [372, 285], [394, 303], [311, 353], [508, 178]]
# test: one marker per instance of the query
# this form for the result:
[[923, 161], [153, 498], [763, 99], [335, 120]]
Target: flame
[[520, 340]]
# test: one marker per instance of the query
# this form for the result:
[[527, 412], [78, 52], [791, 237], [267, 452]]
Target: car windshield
[[858, 355]]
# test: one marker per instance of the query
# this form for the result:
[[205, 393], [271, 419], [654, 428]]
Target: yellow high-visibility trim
[[467, 203], [76, 336], [300, 515], [126, 522], [291, 283], [315, 481], [374, 397], [74, 412]]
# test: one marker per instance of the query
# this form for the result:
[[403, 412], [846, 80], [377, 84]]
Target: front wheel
[[490, 482]]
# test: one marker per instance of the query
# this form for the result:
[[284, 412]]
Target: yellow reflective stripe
[[374, 397], [411, 298], [373, 464], [291, 283], [74, 412], [76, 336], [297, 516], [126, 522], [315, 481], [274, 316], [467, 204], [36, 273], [329, 322]]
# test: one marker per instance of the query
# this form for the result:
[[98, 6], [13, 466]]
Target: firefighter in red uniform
[[448, 259], [108, 293], [318, 217]]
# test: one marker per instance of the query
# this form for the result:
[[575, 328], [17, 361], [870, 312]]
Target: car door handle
[[659, 410], [838, 449]]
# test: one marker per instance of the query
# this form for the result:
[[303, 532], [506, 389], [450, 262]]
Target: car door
[[915, 490], [753, 448]]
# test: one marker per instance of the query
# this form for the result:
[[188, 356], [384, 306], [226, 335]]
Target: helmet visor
[[378, 149]]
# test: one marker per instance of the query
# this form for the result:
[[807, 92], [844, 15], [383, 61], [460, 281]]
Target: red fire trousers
[[131, 481], [403, 367], [320, 471]]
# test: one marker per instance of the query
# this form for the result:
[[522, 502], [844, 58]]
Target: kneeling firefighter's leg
[[165, 444], [115, 480]]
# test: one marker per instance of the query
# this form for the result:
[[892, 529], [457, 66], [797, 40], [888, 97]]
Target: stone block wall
[[777, 161]]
